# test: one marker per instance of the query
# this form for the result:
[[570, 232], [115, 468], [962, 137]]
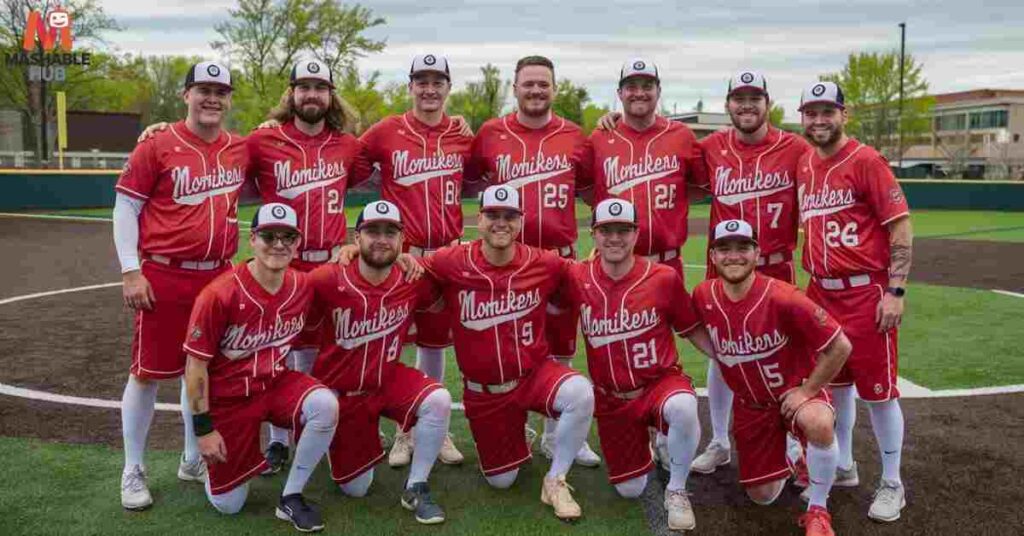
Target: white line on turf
[[1008, 293]]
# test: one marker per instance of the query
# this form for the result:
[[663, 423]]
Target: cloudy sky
[[697, 45]]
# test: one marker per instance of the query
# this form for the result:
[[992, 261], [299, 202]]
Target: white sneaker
[[847, 478], [449, 455], [194, 471], [401, 451], [586, 457], [134, 493], [680, 511], [890, 498], [711, 459]]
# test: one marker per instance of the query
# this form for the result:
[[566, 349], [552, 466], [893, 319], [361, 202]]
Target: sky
[[697, 45]]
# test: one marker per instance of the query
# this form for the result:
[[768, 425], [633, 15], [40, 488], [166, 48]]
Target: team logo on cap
[[277, 212], [382, 208], [213, 70], [818, 90], [747, 78], [313, 67], [615, 209], [639, 65], [429, 59], [732, 226], [501, 194]]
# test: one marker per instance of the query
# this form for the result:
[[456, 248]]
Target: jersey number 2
[[645, 354]]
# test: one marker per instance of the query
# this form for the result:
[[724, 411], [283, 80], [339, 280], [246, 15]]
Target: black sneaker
[[277, 456], [417, 499], [304, 517]]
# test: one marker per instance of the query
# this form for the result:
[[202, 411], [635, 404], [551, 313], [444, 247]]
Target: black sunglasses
[[288, 238]]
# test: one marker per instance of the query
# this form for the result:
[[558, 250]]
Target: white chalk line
[[1008, 293]]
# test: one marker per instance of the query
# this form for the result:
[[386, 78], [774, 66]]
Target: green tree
[[591, 114], [570, 101], [481, 100], [364, 96], [777, 115], [166, 76]]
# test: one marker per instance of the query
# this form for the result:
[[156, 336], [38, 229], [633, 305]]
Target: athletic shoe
[[847, 478], [890, 498], [557, 493], [417, 499], [585, 457], [449, 455], [816, 522], [276, 455], [304, 517], [680, 511], [401, 451], [194, 471], [711, 459], [801, 478], [134, 493]]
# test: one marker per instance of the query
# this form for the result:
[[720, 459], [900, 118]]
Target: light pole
[[899, 120]]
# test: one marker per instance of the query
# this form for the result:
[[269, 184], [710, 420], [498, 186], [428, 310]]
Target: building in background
[[96, 140]]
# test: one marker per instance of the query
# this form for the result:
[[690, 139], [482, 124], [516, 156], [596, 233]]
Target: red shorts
[[622, 425], [760, 434], [431, 329], [238, 419], [160, 333], [874, 362], [356, 446], [783, 271], [561, 329], [497, 421]]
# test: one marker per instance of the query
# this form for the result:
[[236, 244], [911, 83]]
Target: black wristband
[[202, 424], [899, 292]]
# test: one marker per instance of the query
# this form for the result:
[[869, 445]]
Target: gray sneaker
[[194, 471], [847, 478], [417, 499], [713, 457], [134, 493], [890, 498]]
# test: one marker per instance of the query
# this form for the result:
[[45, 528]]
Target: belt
[[494, 389], [318, 255], [351, 393], [775, 258], [419, 251], [624, 395], [840, 283], [202, 266], [663, 256], [564, 251]]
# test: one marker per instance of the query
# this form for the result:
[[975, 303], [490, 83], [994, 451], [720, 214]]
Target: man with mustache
[[857, 248]]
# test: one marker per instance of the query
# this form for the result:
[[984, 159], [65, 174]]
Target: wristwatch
[[899, 292]]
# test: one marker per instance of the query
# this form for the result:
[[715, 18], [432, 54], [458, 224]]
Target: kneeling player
[[766, 334], [369, 306], [241, 328]]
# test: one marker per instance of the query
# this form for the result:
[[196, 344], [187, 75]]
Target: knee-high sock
[[680, 412], [138, 403], [845, 403], [503, 480], [632, 488], [231, 502], [430, 361], [191, 441], [320, 417], [821, 470], [575, 402], [358, 486], [549, 423], [720, 403], [433, 417], [887, 422], [298, 360]]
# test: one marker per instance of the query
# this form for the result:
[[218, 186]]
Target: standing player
[[497, 291], [421, 155], [631, 307], [777, 351], [543, 157], [308, 161], [752, 168], [368, 307], [857, 248], [176, 208], [241, 328]]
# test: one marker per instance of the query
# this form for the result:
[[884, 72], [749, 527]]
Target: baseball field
[[67, 336]]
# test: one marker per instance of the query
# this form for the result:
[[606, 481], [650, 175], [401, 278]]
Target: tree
[[481, 100], [777, 115], [166, 76], [570, 100], [363, 96], [591, 114]]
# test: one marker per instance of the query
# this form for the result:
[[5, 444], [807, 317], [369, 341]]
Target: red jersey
[[766, 343], [421, 173], [544, 165], [629, 324], [498, 312], [650, 169], [245, 331], [190, 189], [757, 184], [364, 325], [846, 201], [310, 174]]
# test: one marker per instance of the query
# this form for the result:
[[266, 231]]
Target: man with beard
[[778, 351], [543, 157], [308, 161], [752, 169], [176, 208], [857, 248], [367, 307]]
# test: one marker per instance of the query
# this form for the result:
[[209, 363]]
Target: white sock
[[229, 503], [138, 403], [430, 361], [720, 403], [549, 423], [358, 486], [680, 412], [191, 441], [431, 427], [793, 449], [503, 480], [887, 422], [575, 402], [821, 471], [320, 417], [845, 403], [632, 488]]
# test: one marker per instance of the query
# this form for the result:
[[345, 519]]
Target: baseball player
[[368, 307], [777, 351], [241, 328], [497, 291], [752, 169], [631, 307], [857, 248], [421, 155], [175, 230], [308, 161], [543, 156]]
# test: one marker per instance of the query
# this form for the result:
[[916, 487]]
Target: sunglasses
[[287, 238]]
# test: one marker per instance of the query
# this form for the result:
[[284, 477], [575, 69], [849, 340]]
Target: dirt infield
[[961, 461]]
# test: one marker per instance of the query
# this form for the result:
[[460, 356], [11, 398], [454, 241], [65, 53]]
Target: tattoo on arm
[[899, 261], [199, 401]]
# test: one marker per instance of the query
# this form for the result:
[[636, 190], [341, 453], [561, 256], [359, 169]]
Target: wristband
[[202, 424], [896, 291]]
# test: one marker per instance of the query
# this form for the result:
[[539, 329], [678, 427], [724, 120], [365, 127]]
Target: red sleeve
[[206, 325], [684, 319], [139, 175], [437, 265], [585, 164], [428, 293], [371, 140], [696, 168], [361, 167], [815, 325], [884, 194]]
